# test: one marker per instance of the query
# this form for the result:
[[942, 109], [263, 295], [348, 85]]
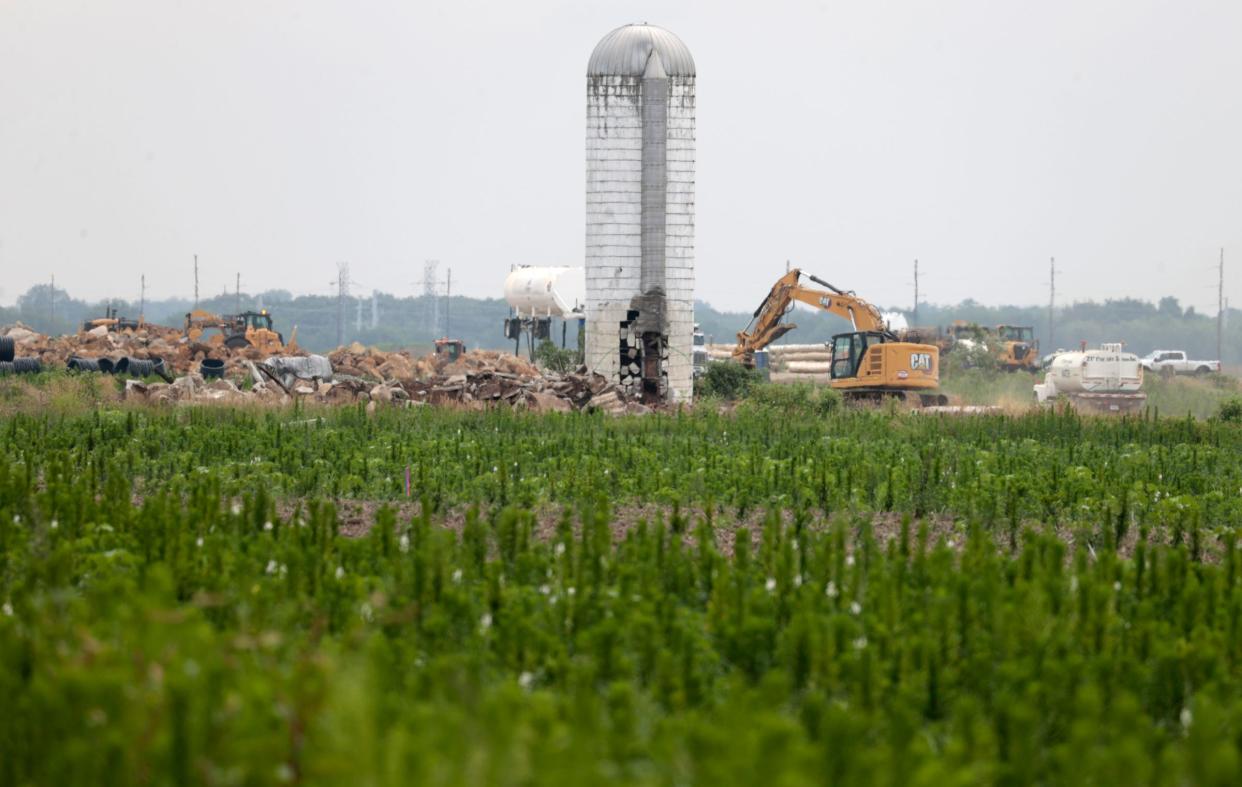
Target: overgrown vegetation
[[727, 380], [1041, 599], [556, 359]]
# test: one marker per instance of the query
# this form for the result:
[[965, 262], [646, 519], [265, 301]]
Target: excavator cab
[[847, 350]]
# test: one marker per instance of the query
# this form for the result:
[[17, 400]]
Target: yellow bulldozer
[[869, 363], [248, 329]]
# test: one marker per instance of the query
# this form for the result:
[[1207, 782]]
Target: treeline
[[414, 322]]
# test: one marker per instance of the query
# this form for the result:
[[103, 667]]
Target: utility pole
[[196, 281], [358, 318], [374, 309], [342, 292], [1220, 304], [1052, 301], [142, 301], [237, 294], [916, 291]]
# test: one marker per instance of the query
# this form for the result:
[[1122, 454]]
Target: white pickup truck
[[1176, 362]]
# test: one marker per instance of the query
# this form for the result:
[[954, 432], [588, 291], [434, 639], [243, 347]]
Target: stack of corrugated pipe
[[10, 364], [133, 367]]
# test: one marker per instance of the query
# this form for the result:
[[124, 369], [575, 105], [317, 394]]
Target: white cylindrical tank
[[1109, 369], [546, 292]]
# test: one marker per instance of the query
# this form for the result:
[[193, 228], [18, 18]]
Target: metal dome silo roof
[[625, 51]]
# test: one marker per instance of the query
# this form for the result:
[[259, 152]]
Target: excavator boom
[[766, 326]]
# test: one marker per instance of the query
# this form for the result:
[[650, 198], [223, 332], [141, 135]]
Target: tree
[[1170, 306]]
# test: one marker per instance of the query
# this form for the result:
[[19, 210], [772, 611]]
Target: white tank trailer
[[640, 138], [546, 292], [1107, 379]]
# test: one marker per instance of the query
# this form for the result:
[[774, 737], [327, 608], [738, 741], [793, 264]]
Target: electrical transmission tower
[[431, 300], [342, 294]]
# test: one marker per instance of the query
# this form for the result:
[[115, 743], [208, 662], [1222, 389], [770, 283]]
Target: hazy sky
[[276, 138]]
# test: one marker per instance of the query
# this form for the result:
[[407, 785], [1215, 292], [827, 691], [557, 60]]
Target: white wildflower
[[526, 680], [951, 543], [267, 526], [495, 468], [860, 643], [849, 560], [797, 580], [340, 572], [1074, 584], [770, 585], [8, 609], [485, 622], [545, 589], [560, 548], [404, 543], [1187, 718], [54, 524], [571, 590], [1116, 587], [284, 773], [237, 508], [457, 575], [855, 608], [17, 519], [831, 591], [366, 612], [198, 542], [272, 567]]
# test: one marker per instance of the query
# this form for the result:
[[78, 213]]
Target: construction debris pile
[[194, 372]]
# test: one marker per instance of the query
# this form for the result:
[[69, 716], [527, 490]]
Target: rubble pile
[[479, 379]]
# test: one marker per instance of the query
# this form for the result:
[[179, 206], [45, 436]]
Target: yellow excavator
[[869, 363], [248, 329]]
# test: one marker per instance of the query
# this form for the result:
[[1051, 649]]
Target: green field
[[214, 596]]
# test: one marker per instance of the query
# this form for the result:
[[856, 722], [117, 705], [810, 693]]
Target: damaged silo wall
[[640, 213]]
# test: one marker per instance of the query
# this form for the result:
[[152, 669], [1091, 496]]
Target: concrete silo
[[640, 212]]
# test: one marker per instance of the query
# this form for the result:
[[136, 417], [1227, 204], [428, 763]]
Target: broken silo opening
[[640, 212]]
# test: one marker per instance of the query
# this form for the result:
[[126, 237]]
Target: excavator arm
[[766, 324]]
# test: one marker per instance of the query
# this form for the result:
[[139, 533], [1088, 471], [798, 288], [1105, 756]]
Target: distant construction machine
[[111, 322], [1017, 349], [248, 329], [869, 363]]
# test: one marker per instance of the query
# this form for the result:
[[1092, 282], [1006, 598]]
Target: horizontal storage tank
[[546, 292], [1108, 370]]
